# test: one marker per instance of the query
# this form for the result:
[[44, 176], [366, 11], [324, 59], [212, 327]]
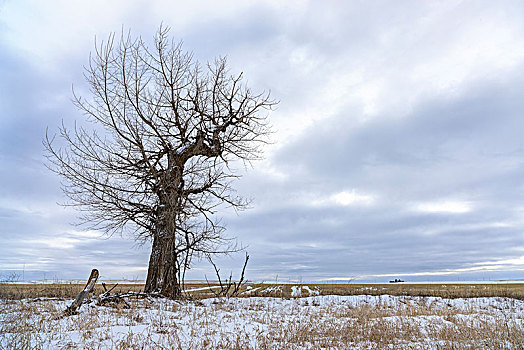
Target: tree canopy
[[156, 161]]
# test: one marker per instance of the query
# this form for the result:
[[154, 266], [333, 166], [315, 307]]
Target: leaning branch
[[90, 286]]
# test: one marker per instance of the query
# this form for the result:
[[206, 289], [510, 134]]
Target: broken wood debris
[[89, 288]]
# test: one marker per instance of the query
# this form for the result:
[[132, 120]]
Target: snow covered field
[[346, 322]]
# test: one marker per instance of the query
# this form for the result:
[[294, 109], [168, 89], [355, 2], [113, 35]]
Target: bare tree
[[157, 161]]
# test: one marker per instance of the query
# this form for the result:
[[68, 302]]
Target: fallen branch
[[119, 299], [107, 292]]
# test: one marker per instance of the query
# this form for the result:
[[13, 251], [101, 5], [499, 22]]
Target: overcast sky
[[399, 144]]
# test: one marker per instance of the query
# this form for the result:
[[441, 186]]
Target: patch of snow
[[169, 324], [182, 148], [197, 289], [296, 291], [311, 292], [272, 289], [250, 290]]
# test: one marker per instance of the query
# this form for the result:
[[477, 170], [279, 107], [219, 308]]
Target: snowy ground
[[346, 322]]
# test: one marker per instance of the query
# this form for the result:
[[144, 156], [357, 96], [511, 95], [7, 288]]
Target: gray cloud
[[398, 148], [467, 149]]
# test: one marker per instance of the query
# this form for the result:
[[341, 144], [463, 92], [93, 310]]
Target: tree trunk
[[162, 275], [153, 268]]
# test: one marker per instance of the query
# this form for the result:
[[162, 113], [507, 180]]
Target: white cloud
[[470, 227], [85, 234], [346, 198], [502, 263], [444, 207], [57, 243], [352, 198]]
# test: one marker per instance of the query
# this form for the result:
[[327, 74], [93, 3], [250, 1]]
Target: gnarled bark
[[163, 270]]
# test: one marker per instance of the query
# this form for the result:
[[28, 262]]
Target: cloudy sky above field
[[398, 152]]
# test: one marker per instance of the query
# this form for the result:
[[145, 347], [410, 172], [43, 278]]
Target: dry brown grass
[[510, 290], [55, 290], [65, 291]]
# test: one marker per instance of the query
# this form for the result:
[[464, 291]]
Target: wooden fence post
[[80, 297]]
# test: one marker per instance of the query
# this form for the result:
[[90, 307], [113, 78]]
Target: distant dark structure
[[396, 280]]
